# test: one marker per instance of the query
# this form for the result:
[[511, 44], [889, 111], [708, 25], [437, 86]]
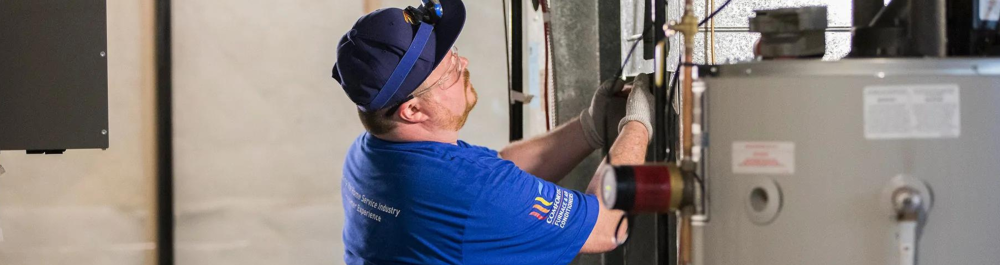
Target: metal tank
[[812, 162]]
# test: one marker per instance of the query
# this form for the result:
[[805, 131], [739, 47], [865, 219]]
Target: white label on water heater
[[774, 158], [912, 112]]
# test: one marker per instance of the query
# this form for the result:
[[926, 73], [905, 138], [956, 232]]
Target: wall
[[92, 206], [261, 131], [262, 128]]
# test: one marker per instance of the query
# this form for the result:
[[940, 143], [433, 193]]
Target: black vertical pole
[[666, 249], [648, 33], [929, 29], [659, 143], [609, 32], [164, 137], [516, 76]]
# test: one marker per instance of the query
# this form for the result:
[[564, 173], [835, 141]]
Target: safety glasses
[[456, 67]]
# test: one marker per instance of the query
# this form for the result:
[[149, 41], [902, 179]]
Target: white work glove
[[640, 104], [602, 109]]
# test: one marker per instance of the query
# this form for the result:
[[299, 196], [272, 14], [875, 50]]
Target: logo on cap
[[409, 18]]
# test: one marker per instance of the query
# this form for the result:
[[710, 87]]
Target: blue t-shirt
[[437, 203]]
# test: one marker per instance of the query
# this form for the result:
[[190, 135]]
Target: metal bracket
[[906, 236], [908, 200], [708, 71], [516, 96]]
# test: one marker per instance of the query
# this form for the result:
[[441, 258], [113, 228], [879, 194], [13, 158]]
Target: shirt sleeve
[[521, 219]]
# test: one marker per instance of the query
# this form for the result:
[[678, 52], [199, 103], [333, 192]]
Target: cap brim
[[447, 29]]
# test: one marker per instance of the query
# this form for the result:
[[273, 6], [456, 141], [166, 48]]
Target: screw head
[[104, 132], [104, 54]]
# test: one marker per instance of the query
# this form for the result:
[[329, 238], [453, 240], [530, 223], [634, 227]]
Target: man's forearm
[[629, 149], [553, 155]]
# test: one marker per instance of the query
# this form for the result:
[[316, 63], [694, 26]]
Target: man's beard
[[469, 106], [454, 121]]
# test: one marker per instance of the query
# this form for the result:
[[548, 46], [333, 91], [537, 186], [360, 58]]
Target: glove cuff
[[639, 118]]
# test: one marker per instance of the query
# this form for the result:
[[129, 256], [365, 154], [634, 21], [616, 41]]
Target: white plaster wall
[[92, 206], [262, 129]]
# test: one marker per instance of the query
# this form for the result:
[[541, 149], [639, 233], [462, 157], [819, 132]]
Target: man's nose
[[464, 61]]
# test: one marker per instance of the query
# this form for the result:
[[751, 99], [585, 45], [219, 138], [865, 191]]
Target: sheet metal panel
[[830, 212], [53, 74]]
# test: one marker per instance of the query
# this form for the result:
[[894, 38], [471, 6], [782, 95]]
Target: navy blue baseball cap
[[369, 53]]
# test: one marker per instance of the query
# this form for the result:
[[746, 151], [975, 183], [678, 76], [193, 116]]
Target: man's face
[[449, 92]]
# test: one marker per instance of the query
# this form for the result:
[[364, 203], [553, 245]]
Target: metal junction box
[[53, 74]]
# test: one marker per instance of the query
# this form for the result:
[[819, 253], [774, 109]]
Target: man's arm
[[628, 149], [555, 154], [552, 155]]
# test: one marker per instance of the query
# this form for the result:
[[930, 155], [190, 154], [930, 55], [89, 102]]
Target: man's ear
[[413, 111]]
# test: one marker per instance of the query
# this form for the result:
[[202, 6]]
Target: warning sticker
[[776, 158], [912, 112]]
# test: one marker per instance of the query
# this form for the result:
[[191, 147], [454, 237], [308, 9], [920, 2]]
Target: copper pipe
[[686, 242], [689, 27]]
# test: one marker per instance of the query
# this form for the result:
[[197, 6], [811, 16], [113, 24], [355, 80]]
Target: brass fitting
[[687, 26]]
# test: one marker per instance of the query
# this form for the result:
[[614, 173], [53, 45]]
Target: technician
[[415, 194]]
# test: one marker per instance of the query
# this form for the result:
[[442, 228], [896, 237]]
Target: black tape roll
[[625, 185]]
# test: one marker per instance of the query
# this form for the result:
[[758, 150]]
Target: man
[[415, 194]]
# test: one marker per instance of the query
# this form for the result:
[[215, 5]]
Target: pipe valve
[[648, 188]]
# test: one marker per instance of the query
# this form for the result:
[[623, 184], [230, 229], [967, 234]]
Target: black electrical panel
[[53, 75]]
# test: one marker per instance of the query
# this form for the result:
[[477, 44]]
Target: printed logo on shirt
[[554, 206], [540, 210]]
